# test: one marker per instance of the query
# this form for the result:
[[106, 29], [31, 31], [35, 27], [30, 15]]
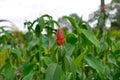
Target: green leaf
[[27, 60], [38, 30], [85, 42], [47, 60], [69, 49], [16, 53], [54, 72], [28, 36], [66, 76], [29, 76], [28, 68], [47, 16], [72, 21], [96, 64], [58, 73], [45, 41], [71, 38], [32, 43], [39, 26], [10, 73], [109, 74], [85, 25], [72, 66], [41, 22], [2, 39], [50, 71], [55, 22], [91, 37], [79, 59]]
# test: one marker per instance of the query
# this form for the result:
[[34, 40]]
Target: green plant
[[82, 55]]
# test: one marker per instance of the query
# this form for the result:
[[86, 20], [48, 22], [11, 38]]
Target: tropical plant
[[57, 54]]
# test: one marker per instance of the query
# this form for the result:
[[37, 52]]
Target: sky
[[18, 11]]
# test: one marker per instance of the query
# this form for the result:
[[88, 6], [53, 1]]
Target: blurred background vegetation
[[112, 19]]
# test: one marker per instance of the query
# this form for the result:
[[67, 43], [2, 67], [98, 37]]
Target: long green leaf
[[91, 37], [32, 44], [53, 72], [79, 59], [10, 73], [72, 66], [71, 38], [96, 64], [72, 21], [69, 49], [41, 22], [29, 76], [16, 53], [28, 68]]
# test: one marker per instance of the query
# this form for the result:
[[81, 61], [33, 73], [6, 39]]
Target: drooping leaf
[[10, 73], [56, 23], [96, 64], [72, 21], [38, 30], [16, 53], [32, 44], [50, 71], [41, 22], [91, 37], [85, 42], [79, 59], [47, 16], [72, 66], [28, 36], [39, 27], [108, 72], [66, 76], [29, 76], [85, 25], [53, 72], [71, 38], [28, 68], [45, 41], [47, 60], [69, 49]]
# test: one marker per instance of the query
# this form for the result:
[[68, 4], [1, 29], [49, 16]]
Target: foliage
[[86, 55]]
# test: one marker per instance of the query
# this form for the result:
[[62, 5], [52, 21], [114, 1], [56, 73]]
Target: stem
[[63, 66], [83, 69], [40, 55], [61, 57]]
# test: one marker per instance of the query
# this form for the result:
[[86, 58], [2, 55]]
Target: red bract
[[15, 34], [60, 37], [103, 9]]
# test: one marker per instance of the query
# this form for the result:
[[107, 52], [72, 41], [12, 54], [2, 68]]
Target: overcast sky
[[18, 11]]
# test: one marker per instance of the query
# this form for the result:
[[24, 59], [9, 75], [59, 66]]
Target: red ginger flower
[[103, 9], [15, 34], [60, 37]]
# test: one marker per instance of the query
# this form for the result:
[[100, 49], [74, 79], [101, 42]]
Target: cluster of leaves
[[86, 55]]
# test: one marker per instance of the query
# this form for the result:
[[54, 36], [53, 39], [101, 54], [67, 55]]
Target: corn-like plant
[[51, 52]]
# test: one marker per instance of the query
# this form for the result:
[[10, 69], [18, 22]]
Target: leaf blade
[[91, 37]]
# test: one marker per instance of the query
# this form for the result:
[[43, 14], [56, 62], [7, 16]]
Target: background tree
[[116, 6], [112, 14]]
